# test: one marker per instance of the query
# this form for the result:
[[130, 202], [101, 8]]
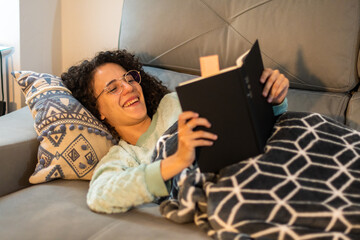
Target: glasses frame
[[123, 78]]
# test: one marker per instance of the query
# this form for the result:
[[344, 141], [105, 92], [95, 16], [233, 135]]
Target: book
[[233, 103]]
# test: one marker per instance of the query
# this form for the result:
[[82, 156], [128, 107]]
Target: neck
[[132, 133]]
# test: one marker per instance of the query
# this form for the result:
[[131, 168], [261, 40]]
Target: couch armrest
[[18, 150]]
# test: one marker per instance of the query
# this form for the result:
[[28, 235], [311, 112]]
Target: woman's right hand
[[188, 140]]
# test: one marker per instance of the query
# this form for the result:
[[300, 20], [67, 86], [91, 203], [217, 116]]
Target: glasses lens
[[114, 87], [133, 75]]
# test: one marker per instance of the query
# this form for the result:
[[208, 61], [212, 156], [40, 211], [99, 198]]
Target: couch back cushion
[[315, 43]]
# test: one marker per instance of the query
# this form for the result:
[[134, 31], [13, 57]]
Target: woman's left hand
[[276, 86]]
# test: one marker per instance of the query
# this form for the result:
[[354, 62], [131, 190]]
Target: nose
[[126, 87]]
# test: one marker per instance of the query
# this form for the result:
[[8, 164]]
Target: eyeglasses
[[116, 86]]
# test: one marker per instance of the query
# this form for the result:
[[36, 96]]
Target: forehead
[[107, 72]]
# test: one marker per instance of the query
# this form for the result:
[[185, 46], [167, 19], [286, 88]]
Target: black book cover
[[233, 103]]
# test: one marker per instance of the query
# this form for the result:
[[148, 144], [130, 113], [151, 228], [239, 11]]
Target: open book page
[[239, 63], [240, 60]]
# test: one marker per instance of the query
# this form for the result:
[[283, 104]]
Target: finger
[[282, 91], [276, 88], [265, 74], [269, 82], [281, 95], [198, 143], [204, 135], [202, 143], [184, 117], [280, 98], [189, 138], [196, 122]]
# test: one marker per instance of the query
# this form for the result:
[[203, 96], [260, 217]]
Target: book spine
[[249, 104]]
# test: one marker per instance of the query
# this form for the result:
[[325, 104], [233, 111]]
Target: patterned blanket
[[305, 186]]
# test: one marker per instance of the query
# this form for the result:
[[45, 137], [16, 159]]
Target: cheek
[[139, 89], [102, 111], [106, 108]]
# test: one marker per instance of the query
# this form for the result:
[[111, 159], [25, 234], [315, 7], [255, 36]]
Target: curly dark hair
[[79, 79]]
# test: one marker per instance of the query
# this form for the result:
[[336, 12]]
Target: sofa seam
[[315, 92], [182, 44], [350, 107], [99, 234], [355, 59], [344, 105], [348, 113], [15, 144]]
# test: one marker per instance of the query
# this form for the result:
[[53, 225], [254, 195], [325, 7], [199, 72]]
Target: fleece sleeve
[[281, 108], [116, 187]]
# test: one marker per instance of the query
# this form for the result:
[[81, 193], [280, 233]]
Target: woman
[[138, 110]]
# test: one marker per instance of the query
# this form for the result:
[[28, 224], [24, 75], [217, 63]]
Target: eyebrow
[[107, 84]]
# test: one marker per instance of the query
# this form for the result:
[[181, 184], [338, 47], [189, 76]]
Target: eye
[[131, 81], [112, 89]]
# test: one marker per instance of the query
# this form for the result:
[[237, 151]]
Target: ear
[[102, 117]]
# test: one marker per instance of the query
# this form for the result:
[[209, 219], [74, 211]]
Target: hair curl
[[79, 79]]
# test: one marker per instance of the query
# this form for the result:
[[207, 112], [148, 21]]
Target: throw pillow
[[72, 140]]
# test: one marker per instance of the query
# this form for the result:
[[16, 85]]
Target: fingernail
[[270, 99]]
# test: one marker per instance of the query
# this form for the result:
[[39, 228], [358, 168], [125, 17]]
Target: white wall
[[40, 35], [10, 36], [51, 35], [88, 26]]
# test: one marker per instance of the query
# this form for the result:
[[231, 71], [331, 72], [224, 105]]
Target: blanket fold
[[306, 185]]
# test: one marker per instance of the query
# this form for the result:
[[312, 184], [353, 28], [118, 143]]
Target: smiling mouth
[[131, 102]]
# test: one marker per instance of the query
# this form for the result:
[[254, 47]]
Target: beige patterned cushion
[[72, 140]]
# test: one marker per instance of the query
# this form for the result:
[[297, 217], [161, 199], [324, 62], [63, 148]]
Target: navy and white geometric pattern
[[72, 140], [167, 146], [305, 186]]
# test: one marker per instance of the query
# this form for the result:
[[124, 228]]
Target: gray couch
[[314, 43]]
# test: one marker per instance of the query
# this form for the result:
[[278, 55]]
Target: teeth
[[131, 102]]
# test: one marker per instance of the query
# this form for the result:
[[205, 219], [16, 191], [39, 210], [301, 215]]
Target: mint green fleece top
[[125, 176]]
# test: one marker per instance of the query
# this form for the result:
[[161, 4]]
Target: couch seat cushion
[[58, 210]]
